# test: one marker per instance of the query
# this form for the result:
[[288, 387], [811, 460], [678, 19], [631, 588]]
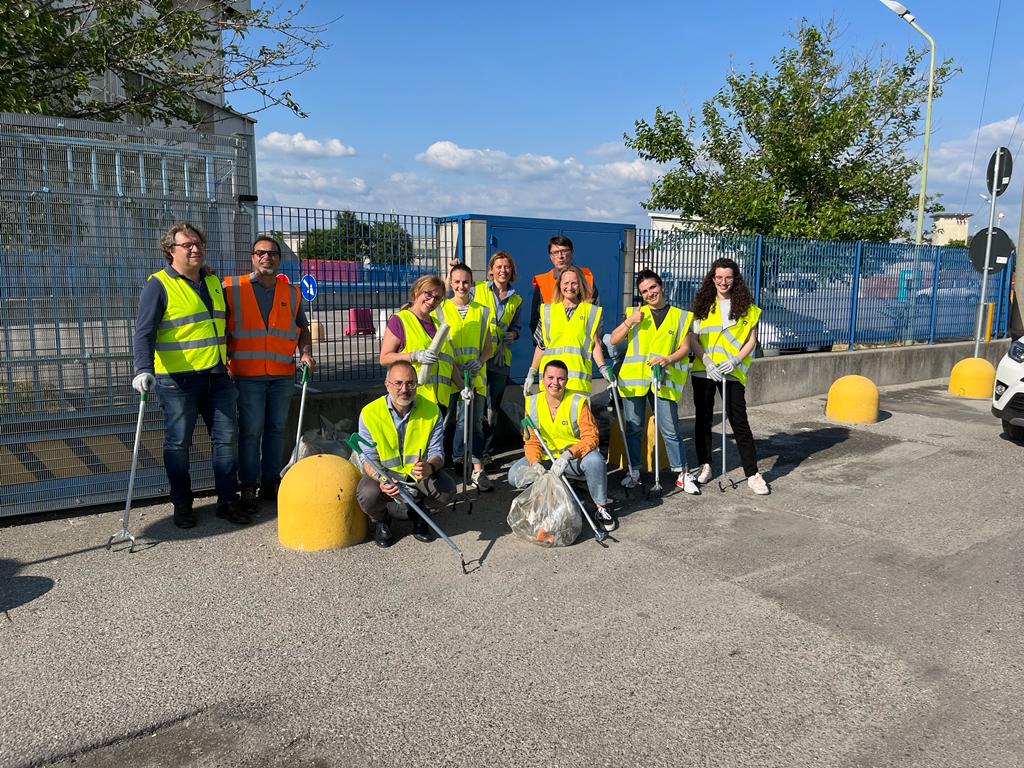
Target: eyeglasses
[[435, 297], [190, 245], [261, 254], [404, 384], [562, 252]]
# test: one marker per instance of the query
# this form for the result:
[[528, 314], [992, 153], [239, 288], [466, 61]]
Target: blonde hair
[[584, 285], [498, 255], [424, 283]]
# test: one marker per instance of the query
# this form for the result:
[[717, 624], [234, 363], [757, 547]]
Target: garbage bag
[[545, 513]]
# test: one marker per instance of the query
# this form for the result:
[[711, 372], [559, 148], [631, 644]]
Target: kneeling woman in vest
[[471, 344], [655, 334], [569, 431], [568, 332], [722, 341], [408, 339]]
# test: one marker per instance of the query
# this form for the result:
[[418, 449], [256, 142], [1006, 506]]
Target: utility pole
[[1016, 324]]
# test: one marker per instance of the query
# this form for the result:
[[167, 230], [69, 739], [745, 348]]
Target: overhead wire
[[984, 99]]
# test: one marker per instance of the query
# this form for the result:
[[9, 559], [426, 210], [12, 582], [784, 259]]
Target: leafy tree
[[390, 243], [814, 148], [347, 240], [170, 57]]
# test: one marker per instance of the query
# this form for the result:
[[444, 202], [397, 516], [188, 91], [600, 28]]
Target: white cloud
[[610, 149], [494, 162], [296, 144]]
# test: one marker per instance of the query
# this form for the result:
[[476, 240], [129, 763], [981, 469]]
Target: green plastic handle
[[528, 423], [144, 396], [466, 377], [355, 441], [305, 373]]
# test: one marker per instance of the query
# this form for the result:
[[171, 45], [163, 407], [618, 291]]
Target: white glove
[[467, 395], [143, 382], [559, 465], [531, 377], [423, 356], [711, 369], [727, 366], [473, 366], [508, 338]]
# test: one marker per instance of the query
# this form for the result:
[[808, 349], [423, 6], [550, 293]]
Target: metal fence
[[82, 207], [818, 294]]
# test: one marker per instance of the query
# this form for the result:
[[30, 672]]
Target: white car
[[1008, 395]]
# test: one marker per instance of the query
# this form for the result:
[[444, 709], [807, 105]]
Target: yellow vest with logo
[[563, 429], [189, 337], [467, 337], [401, 458], [439, 387], [569, 339], [646, 341], [483, 294], [723, 343]]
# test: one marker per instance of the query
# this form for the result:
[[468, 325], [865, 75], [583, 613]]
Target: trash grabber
[[298, 429], [724, 479], [599, 534], [355, 442], [655, 389], [622, 430], [467, 454], [123, 535]]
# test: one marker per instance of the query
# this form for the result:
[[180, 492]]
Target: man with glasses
[[545, 285], [180, 350], [265, 325], [407, 432]]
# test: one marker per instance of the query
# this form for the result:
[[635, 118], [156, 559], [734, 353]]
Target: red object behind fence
[[360, 322]]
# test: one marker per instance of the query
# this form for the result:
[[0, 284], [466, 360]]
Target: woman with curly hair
[[722, 341]]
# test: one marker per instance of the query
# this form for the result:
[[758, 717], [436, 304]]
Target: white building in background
[[949, 226]]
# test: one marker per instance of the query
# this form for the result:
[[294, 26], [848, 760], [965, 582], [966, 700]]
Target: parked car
[[1008, 394], [781, 330], [959, 289]]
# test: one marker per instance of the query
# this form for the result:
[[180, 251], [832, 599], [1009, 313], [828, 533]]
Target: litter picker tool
[[724, 480], [356, 443], [622, 430], [599, 535], [435, 346], [467, 407], [123, 535], [655, 389], [302, 412]]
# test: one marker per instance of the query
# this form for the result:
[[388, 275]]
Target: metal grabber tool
[[725, 480], [123, 535], [655, 389], [356, 443], [622, 431], [599, 534], [302, 413]]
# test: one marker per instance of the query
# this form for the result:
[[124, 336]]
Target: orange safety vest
[[255, 349], [546, 282]]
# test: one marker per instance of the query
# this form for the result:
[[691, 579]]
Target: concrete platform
[[868, 613]]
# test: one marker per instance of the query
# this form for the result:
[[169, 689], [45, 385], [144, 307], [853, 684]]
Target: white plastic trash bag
[[545, 513]]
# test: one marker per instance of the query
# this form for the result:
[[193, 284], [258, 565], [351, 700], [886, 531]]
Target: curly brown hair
[[707, 293]]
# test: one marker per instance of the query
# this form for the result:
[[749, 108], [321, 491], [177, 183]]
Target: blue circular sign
[[308, 287]]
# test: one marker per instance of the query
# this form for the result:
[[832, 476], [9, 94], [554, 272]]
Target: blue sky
[[519, 108]]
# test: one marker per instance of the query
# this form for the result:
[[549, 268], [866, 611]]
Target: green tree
[[390, 243], [814, 148], [168, 56], [347, 240]]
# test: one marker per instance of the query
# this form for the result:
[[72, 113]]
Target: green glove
[[608, 373]]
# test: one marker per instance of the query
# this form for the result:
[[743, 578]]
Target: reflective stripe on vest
[[563, 430], [189, 337], [400, 458], [255, 349], [483, 294], [647, 341], [439, 387], [468, 335], [569, 339], [723, 343], [546, 282]]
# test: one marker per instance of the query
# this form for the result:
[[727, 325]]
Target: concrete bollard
[[852, 399], [972, 377], [617, 450], [317, 507], [317, 332]]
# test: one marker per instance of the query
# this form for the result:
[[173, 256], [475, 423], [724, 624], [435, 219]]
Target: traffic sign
[[1005, 170], [308, 287], [1002, 250]]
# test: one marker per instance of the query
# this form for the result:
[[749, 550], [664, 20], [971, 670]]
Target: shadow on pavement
[[791, 449], [15, 590]]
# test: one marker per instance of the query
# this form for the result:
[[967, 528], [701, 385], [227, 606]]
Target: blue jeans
[[592, 467], [262, 416], [183, 399], [633, 412], [476, 427], [496, 383]]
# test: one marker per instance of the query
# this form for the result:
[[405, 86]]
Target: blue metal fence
[[825, 294]]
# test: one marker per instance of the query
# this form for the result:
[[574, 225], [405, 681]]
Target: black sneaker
[[605, 519], [233, 512], [382, 535], [184, 515], [248, 503], [268, 492], [420, 530]]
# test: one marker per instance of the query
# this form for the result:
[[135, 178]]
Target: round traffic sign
[[1002, 250], [1005, 160], [308, 287]]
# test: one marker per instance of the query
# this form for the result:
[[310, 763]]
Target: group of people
[[226, 351]]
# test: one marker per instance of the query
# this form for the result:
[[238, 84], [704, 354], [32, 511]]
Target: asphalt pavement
[[867, 613]]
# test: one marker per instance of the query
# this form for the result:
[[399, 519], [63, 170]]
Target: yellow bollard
[[853, 400], [317, 507], [972, 377]]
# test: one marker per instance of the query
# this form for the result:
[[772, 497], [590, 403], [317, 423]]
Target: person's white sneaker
[[632, 479], [686, 482], [481, 480], [704, 474], [758, 485], [605, 519]]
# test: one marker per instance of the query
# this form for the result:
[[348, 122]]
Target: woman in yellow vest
[[471, 345], [722, 341], [568, 331], [498, 295], [656, 334], [409, 334]]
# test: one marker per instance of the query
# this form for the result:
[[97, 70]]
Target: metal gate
[[82, 208]]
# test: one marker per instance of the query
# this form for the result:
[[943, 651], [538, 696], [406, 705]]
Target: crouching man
[[569, 431], [407, 432]]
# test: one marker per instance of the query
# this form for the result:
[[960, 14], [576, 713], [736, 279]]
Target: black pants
[[433, 493], [704, 403]]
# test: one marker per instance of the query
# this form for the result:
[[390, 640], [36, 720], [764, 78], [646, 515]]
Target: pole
[[1016, 324], [927, 134], [988, 248]]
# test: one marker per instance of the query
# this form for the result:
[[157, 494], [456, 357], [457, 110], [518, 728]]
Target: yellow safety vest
[[568, 340], [723, 343], [189, 337], [438, 388], [400, 458], [483, 294], [647, 341], [467, 337], [563, 430]]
